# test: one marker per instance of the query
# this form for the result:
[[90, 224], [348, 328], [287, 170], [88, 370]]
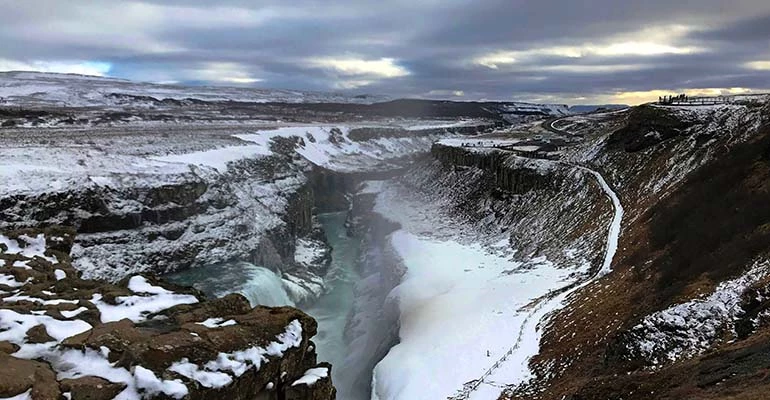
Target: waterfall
[[264, 287], [259, 285]]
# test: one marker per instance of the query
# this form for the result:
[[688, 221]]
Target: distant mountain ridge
[[39, 89], [72, 90]]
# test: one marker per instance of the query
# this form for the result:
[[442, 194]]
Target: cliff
[[66, 337], [683, 314]]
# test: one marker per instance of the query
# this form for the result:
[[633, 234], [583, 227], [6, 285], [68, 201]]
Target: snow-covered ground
[[116, 162], [331, 147], [469, 315], [82, 91]]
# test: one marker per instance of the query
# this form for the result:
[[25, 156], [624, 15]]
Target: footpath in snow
[[469, 315]]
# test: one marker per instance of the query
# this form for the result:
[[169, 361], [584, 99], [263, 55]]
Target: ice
[[312, 376], [461, 309], [469, 315]]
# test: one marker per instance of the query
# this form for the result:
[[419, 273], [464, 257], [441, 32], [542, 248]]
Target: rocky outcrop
[[369, 133], [511, 173], [63, 336]]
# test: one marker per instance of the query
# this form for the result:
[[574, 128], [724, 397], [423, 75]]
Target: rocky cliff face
[[65, 337], [682, 314], [550, 208], [253, 211]]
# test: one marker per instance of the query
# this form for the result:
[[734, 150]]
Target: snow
[[22, 297], [471, 142], [14, 326], [139, 284], [333, 149], [461, 306], [438, 125], [308, 251], [371, 187], [217, 373], [152, 386], [525, 148], [30, 169], [691, 328], [23, 396], [217, 323], [73, 313], [137, 308], [312, 376], [548, 109], [81, 91], [468, 314], [10, 280], [217, 158], [72, 364], [60, 274], [614, 229], [33, 247], [205, 378]]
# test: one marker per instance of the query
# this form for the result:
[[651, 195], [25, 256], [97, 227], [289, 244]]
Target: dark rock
[[91, 388], [17, 376], [8, 347], [38, 334]]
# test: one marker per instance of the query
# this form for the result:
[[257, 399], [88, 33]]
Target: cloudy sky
[[590, 51]]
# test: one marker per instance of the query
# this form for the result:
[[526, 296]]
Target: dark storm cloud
[[492, 49]]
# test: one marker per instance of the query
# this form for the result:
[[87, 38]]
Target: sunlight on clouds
[[639, 97], [759, 65], [383, 68], [355, 72], [224, 72], [93, 68], [446, 93], [647, 42], [589, 69]]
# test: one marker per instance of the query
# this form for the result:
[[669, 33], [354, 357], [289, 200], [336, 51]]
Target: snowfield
[[469, 316], [83, 91]]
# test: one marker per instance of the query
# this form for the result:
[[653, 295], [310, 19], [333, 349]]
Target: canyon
[[394, 250]]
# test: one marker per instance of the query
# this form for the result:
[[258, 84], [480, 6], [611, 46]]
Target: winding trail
[[554, 300]]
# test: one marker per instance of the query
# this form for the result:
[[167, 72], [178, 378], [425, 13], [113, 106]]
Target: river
[[263, 287]]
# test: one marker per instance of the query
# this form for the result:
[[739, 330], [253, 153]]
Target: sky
[[568, 51]]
